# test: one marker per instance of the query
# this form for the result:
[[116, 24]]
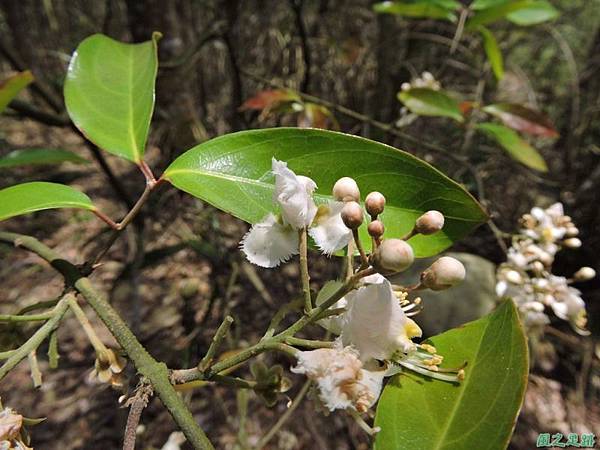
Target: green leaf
[[39, 156], [11, 87], [38, 195], [484, 4], [415, 412], [523, 119], [539, 11], [233, 173], [492, 51], [418, 10], [109, 93], [496, 12], [516, 147], [429, 102]]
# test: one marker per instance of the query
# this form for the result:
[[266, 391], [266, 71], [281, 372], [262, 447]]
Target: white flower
[[342, 380], [328, 230], [375, 323], [294, 195], [269, 243]]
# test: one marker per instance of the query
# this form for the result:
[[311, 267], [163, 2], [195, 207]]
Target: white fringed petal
[[375, 323], [294, 194], [342, 380], [268, 243], [328, 230]]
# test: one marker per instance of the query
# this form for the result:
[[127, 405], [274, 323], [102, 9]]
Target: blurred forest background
[[175, 282]]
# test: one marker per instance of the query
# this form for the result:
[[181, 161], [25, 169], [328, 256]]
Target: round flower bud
[[443, 274], [376, 229], [514, 277], [393, 255], [345, 190], [572, 242], [430, 222], [537, 266], [572, 231], [352, 215], [375, 203], [584, 274]]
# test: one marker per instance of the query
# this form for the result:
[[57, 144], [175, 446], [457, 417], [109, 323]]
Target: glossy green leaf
[[38, 195], [39, 156], [109, 93], [539, 12], [415, 412], [493, 53], [496, 12], [232, 172], [484, 4], [426, 9], [11, 87], [429, 102], [517, 147], [523, 119]]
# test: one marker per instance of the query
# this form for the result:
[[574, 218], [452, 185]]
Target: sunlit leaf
[[415, 412], [429, 102], [419, 9], [11, 87], [38, 195], [484, 4], [232, 172], [540, 11], [521, 118], [109, 93], [39, 156], [493, 53], [517, 147], [496, 12]]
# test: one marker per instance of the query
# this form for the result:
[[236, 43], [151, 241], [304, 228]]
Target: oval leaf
[[523, 119], [11, 87], [418, 10], [39, 156], [493, 53], [233, 173], [538, 12], [109, 93], [417, 413], [496, 12], [38, 195], [429, 102], [516, 147]]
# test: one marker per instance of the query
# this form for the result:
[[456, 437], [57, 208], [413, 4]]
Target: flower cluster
[[426, 80], [527, 275], [373, 320]]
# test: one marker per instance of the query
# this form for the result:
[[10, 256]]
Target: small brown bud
[[352, 215], [375, 203], [443, 274], [345, 190], [376, 229], [430, 222], [393, 255]]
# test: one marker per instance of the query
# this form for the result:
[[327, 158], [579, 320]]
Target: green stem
[[304, 275], [87, 326], [215, 344], [16, 356], [30, 318], [308, 343], [156, 373]]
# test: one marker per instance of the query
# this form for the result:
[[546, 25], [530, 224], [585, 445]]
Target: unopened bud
[[376, 229], [514, 277], [584, 274], [375, 203], [352, 215], [572, 231], [572, 242], [393, 255], [430, 222], [537, 266], [345, 190], [443, 274]]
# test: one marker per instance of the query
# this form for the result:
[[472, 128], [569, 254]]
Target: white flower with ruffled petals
[[328, 230], [294, 194], [342, 380], [375, 323], [269, 243]]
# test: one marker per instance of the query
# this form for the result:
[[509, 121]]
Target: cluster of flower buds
[[426, 80], [108, 368], [374, 326], [527, 276]]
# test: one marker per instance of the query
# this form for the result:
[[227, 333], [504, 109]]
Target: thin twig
[[136, 404], [215, 344], [304, 275]]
